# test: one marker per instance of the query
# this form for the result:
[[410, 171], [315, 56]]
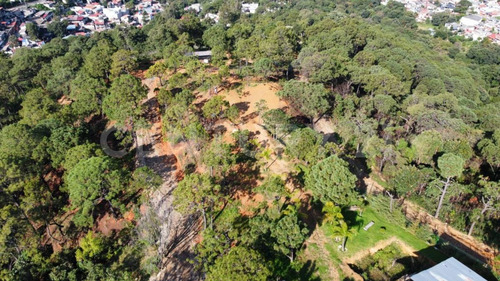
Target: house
[[249, 8], [194, 7], [471, 20], [205, 56], [448, 270], [213, 17], [114, 14]]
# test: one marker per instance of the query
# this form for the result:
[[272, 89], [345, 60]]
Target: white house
[[194, 7], [471, 20], [249, 8]]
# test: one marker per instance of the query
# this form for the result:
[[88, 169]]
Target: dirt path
[[462, 240], [379, 246], [177, 232], [318, 238], [415, 212]]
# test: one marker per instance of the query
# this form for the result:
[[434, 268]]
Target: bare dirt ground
[[177, 232], [318, 238]]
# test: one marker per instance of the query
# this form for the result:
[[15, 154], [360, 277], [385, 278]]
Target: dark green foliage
[[331, 180]]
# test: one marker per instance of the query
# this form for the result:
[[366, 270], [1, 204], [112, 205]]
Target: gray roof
[[474, 17], [203, 53], [448, 270]]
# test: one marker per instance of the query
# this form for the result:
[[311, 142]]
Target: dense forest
[[419, 113]]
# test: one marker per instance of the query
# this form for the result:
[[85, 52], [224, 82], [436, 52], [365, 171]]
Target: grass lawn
[[382, 229], [425, 26]]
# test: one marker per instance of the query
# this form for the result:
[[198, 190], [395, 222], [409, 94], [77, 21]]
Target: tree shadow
[[449, 246], [307, 270], [248, 117], [242, 106]]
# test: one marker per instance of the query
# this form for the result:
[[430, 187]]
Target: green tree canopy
[[240, 263], [123, 104], [331, 180], [92, 181]]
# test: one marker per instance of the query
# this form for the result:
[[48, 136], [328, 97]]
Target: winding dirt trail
[[177, 232]]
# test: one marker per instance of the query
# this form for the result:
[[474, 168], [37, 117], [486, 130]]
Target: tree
[[92, 181], [17, 145], [33, 30], [310, 99], [379, 153], [57, 27], [198, 194], [332, 216], [215, 37], [280, 47], [80, 152], [342, 229], [263, 67], [408, 179], [218, 156], [273, 187], [158, 69], [13, 41], [87, 94], [241, 263], [277, 122], [450, 166], [61, 140], [36, 106], [490, 150], [233, 113], [305, 145], [123, 104], [91, 247], [145, 179], [289, 233], [490, 201], [123, 62], [331, 180], [97, 62], [214, 108], [426, 145], [462, 6]]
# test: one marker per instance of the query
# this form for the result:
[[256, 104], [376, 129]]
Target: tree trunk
[[204, 218], [391, 204], [471, 229], [485, 208], [446, 184], [344, 240]]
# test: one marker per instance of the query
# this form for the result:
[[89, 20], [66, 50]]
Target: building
[[448, 270], [249, 8], [194, 7], [471, 20]]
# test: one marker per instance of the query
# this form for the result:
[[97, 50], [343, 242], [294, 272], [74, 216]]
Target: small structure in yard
[[370, 224], [448, 270], [204, 56]]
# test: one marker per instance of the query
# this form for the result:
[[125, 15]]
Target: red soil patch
[[108, 223], [129, 216]]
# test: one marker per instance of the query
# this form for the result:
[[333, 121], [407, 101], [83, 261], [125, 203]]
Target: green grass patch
[[386, 225], [425, 26]]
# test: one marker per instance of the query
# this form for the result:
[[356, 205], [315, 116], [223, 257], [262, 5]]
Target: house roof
[[448, 270]]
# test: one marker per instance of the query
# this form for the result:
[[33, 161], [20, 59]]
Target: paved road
[[25, 6]]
